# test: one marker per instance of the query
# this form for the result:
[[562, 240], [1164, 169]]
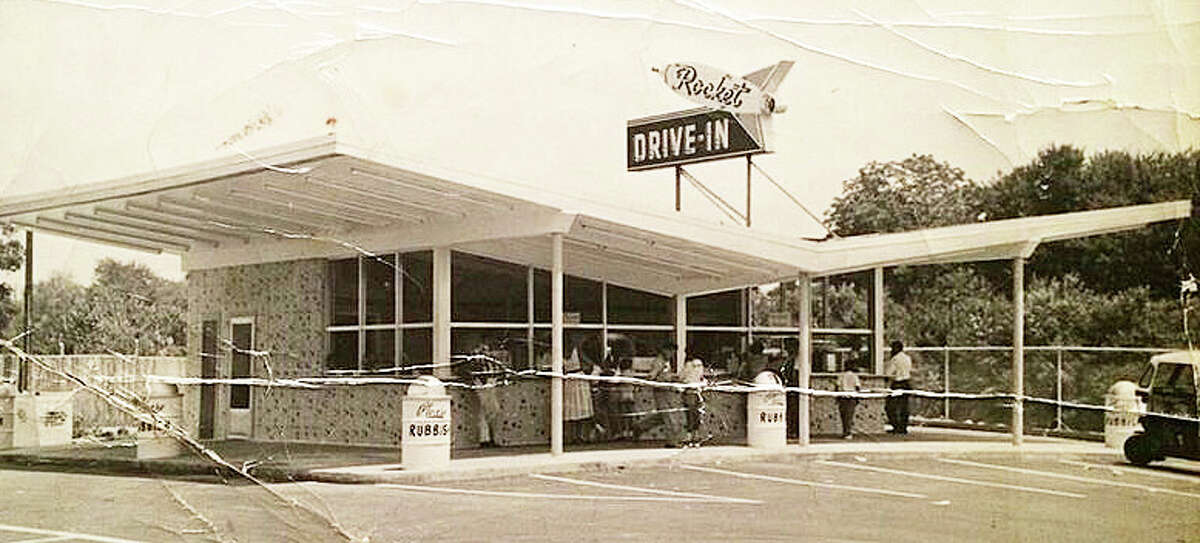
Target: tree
[[914, 193], [12, 257], [60, 317], [1062, 179], [133, 310]]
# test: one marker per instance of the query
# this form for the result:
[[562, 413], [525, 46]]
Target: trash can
[[153, 440], [766, 413], [425, 417], [1122, 421]]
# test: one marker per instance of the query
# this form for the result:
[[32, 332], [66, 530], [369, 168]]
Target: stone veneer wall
[[868, 415], [288, 303]]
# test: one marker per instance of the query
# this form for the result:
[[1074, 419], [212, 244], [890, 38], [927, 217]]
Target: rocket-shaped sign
[[718, 89], [732, 123]]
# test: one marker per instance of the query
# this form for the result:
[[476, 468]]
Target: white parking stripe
[[1135, 470], [534, 495], [640, 489], [800, 482], [1064, 476], [45, 539], [953, 479], [69, 535]]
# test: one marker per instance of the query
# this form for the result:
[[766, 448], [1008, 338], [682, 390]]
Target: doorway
[[241, 334]]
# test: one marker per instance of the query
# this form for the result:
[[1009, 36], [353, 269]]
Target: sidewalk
[[282, 462]]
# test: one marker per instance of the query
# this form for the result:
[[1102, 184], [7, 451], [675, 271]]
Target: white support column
[[362, 311], [877, 299], [398, 310], [680, 330], [556, 347], [532, 314], [804, 356], [1018, 352], [604, 319], [441, 311]]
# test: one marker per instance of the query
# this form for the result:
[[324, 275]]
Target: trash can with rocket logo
[[425, 418], [766, 413]]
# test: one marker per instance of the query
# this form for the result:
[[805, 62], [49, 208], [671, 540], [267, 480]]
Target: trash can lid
[[1123, 389], [427, 386], [767, 378]]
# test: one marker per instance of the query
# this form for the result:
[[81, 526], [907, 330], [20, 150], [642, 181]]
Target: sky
[[538, 92]]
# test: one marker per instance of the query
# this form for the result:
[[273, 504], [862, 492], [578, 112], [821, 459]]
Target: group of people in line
[[595, 410]]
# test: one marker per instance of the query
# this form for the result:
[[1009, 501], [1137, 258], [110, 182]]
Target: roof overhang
[[322, 198]]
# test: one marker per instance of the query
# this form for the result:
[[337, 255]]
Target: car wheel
[[1139, 449]]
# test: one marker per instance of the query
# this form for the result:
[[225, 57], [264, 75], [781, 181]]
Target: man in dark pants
[[899, 372], [847, 381]]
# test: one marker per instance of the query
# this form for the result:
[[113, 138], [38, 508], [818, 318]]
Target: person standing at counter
[[665, 399], [578, 410], [692, 373], [899, 372], [847, 382]]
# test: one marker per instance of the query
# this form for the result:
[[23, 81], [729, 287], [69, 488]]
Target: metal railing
[[1064, 373]]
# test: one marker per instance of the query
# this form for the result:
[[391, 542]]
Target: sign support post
[[677, 191], [749, 164]]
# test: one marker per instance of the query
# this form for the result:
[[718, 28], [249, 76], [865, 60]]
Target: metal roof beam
[[390, 199], [120, 225], [150, 241], [227, 224], [216, 214], [356, 206], [438, 193], [93, 237], [297, 208], [150, 218]]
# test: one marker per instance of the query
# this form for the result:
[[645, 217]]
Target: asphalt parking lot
[[840, 498], [850, 499]]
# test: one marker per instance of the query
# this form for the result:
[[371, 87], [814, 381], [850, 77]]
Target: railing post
[[946, 381]]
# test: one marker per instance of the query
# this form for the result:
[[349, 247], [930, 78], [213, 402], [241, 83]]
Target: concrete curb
[[396, 475]]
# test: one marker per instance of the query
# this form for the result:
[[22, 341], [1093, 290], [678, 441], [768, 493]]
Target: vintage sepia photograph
[[560, 270]]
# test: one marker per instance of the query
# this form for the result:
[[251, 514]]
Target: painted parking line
[[59, 535], [801, 482], [1122, 469], [610, 486], [541, 496], [954, 479], [1054, 475]]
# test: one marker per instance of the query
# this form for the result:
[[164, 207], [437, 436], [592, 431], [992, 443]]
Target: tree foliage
[[1062, 180], [126, 309], [917, 192], [12, 258]]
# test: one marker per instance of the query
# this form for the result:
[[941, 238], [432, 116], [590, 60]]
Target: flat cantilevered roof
[[322, 198]]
